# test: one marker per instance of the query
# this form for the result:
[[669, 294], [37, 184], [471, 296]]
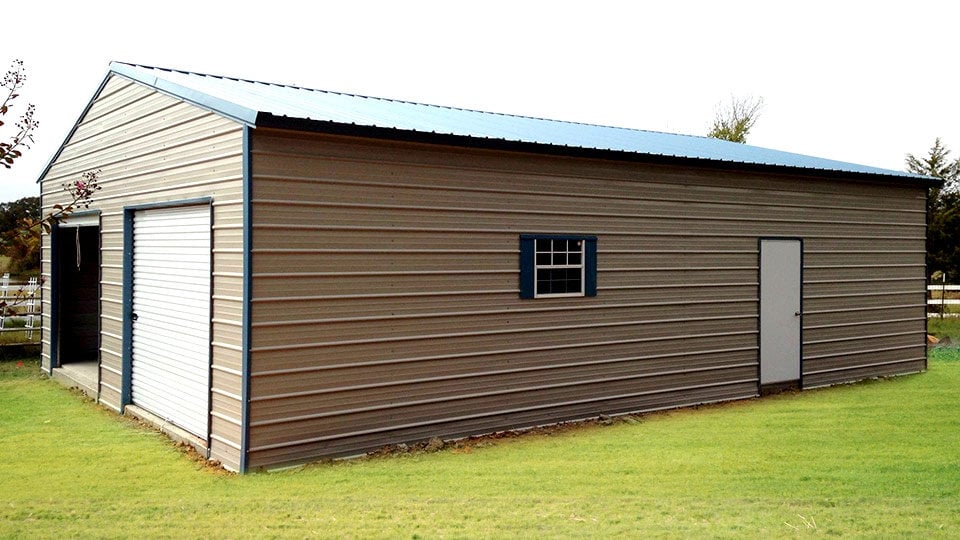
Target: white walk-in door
[[780, 315], [170, 374]]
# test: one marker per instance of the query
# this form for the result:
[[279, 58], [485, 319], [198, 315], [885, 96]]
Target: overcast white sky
[[864, 82]]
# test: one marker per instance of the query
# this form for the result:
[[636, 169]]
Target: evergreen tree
[[943, 209]]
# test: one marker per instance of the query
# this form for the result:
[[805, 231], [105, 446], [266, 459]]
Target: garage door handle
[[134, 316]]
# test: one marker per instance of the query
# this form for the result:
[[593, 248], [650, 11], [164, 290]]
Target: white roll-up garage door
[[171, 315]]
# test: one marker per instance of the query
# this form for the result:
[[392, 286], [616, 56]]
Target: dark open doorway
[[77, 269]]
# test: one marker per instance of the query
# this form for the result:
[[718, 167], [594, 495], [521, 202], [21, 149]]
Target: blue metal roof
[[254, 103]]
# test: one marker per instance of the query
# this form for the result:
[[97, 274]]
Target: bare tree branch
[[23, 138], [734, 123]]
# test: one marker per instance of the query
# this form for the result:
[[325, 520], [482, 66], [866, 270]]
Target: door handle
[[134, 316], [798, 314]]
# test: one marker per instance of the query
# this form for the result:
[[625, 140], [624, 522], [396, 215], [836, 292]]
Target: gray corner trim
[[247, 299], [131, 72], [223, 107], [53, 317], [205, 450], [926, 280], [126, 373]]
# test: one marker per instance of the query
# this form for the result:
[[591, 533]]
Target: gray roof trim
[[267, 120], [226, 108], [128, 71], [258, 104]]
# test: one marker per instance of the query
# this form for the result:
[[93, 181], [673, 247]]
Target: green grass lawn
[[876, 459], [946, 327]]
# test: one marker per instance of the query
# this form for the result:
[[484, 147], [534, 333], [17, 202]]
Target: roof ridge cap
[[408, 102]]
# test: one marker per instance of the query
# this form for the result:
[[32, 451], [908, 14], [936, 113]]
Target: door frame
[[775, 387], [126, 372], [86, 218]]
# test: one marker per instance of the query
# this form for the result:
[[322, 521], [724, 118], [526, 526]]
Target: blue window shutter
[[590, 267], [526, 266]]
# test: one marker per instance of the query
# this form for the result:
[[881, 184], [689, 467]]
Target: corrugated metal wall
[[153, 148], [385, 289]]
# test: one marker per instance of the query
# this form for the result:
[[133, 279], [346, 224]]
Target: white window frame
[[537, 267]]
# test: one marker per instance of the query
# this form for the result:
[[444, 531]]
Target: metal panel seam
[[456, 377], [518, 350], [597, 214], [516, 191], [504, 331]]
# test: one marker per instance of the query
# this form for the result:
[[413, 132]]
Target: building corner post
[[247, 293]]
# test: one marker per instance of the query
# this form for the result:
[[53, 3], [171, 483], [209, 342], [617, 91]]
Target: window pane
[[543, 286], [559, 258], [573, 280], [543, 245], [573, 258], [543, 259]]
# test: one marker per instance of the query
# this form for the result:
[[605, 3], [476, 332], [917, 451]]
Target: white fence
[[942, 299], [23, 306]]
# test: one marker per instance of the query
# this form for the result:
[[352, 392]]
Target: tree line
[[733, 122], [21, 221]]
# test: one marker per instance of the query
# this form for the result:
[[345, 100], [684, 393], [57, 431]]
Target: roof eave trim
[[268, 120], [205, 101], [234, 112]]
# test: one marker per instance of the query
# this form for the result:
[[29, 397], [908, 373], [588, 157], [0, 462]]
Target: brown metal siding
[[385, 289], [152, 148]]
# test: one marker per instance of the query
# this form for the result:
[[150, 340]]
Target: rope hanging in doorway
[[78, 247]]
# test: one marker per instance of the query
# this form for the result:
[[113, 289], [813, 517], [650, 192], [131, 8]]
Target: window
[[557, 266]]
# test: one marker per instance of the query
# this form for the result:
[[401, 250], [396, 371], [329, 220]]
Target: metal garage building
[[286, 274]]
